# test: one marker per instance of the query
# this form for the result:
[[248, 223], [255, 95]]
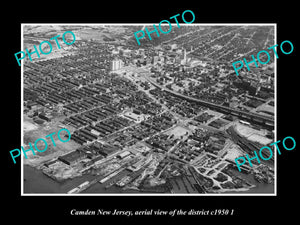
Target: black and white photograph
[[167, 117], [137, 113]]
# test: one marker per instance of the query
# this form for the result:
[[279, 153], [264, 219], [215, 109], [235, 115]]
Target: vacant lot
[[28, 126], [178, 131], [33, 131]]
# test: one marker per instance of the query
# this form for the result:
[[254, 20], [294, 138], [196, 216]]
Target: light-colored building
[[173, 46], [116, 64], [184, 59]]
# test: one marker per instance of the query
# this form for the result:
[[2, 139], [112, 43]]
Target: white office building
[[116, 64]]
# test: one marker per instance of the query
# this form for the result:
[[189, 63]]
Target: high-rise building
[[116, 64], [184, 60]]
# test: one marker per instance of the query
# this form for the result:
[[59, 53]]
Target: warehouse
[[124, 154], [72, 157]]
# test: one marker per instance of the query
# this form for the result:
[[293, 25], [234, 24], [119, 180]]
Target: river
[[38, 183]]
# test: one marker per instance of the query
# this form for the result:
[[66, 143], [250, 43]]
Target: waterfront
[[38, 183]]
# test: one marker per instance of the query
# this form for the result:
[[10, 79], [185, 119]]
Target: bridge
[[253, 117]]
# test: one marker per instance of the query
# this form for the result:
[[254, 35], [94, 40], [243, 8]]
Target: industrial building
[[116, 64], [73, 157], [123, 154]]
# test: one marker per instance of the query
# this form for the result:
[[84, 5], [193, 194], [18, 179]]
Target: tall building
[[184, 60], [116, 64]]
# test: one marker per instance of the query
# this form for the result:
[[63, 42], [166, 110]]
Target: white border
[[151, 194]]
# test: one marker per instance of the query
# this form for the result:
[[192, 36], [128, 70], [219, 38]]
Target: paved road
[[214, 106]]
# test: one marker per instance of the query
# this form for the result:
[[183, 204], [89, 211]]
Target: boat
[[79, 188], [110, 175], [73, 191], [83, 184]]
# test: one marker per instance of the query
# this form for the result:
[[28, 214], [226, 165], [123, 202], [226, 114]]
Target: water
[[259, 187], [37, 182]]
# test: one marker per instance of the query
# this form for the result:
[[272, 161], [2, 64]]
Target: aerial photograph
[[166, 117]]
